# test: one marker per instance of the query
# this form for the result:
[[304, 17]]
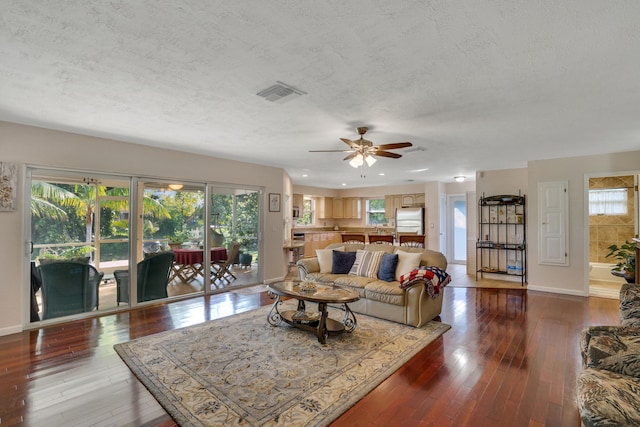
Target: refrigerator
[[409, 221]]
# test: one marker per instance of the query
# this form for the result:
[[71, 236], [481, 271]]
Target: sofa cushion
[[342, 262], [607, 398], [325, 258], [407, 262], [357, 283], [387, 292], [366, 264], [615, 348], [388, 265]]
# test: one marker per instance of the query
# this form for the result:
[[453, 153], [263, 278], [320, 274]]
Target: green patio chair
[[68, 287], [153, 278]]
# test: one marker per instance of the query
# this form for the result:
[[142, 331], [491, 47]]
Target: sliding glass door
[[235, 224], [81, 221], [91, 226]]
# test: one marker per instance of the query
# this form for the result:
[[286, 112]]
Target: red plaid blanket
[[434, 278]]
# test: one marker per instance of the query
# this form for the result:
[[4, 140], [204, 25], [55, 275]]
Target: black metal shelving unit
[[501, 247]]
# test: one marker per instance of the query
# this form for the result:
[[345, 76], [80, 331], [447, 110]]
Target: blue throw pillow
[[387, 270], [342, 262]]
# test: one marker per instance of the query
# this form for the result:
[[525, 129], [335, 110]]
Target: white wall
[[33, 146], [572, 279]]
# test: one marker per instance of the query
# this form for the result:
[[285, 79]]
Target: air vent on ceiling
[[280, 92]]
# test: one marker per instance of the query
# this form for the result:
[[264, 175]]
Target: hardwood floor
[[510, 359]]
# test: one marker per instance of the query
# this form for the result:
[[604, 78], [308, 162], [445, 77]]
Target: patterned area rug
[[240, 370]]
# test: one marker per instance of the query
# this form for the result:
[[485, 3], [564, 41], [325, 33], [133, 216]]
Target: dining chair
[[68, 287], [153, 278], [381, 239], [412, 240], [221, 270], [353, 238]]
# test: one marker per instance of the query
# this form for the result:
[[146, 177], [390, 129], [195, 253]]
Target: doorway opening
[[457, 224], [613, 220]]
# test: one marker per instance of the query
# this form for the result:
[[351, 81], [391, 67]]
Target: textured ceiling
[[475, 85]]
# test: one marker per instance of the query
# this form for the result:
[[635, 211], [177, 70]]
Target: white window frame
[[608, 201], [368, 210]]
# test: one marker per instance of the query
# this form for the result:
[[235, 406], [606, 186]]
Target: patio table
[[188, 263]]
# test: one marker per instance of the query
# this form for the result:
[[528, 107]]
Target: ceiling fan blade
[[387, 154], [350, 143], [351, 156], [394, 145]]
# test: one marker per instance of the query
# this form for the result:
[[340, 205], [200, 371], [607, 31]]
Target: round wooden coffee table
[[316, 321]]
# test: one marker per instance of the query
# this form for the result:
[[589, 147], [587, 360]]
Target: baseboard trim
[[563, 291], [10, 330]]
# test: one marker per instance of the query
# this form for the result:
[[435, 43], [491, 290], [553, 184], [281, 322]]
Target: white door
[[457, 229], [553, 208]]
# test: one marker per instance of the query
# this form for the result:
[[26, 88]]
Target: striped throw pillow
[[367, 263]]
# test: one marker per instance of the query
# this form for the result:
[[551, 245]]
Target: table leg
[[349, 320], [323, 333], [274, 318]]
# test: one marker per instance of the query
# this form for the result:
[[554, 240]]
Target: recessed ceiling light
[[459, 178], [305, 175], [344, 184], [420, 170], [381, 174]]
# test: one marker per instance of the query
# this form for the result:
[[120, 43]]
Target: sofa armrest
[[614, 348], [306, 266]]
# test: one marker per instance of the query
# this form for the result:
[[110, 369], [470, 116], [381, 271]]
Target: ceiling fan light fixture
[[175, 186], [459, 178], [370, 160], [357, 161]]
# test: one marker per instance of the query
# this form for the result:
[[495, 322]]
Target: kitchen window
[[308, 212], [375, 212]]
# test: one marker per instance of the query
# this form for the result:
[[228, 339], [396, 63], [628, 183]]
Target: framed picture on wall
[[8, 186], [274, 202]]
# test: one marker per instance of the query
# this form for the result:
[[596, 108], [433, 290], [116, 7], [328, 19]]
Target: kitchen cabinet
[[338, 208], [319, 240], [391, 203], [347, 208], [396, 201], [408, 200], [412, 200], [325, 207], [298, 205], [351, 207]]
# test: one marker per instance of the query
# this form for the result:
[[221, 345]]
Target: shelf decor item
[[501, 247]]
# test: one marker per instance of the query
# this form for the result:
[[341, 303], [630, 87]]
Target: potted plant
[[625, 254], [244, 256], [76, 253], [178, 238]]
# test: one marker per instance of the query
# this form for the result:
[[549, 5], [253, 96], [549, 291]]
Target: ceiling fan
[[362, 150]]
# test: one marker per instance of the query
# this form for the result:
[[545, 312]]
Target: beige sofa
[[387, 300]]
